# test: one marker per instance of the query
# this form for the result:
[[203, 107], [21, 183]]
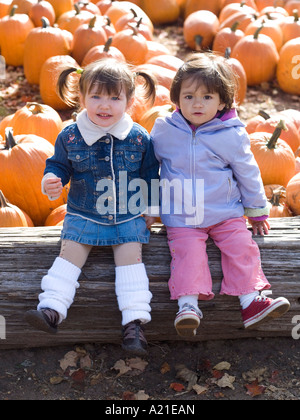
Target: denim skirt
[[85, 231]]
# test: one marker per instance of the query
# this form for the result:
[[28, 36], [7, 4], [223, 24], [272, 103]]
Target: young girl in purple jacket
[[209, 182]]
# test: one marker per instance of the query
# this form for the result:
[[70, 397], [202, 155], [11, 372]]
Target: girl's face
[[196, 104], [105, 109]]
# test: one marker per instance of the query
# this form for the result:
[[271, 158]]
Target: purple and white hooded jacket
[[208, 174]]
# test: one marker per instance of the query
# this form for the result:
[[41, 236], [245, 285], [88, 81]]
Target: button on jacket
[[215, 168], [105, 177]]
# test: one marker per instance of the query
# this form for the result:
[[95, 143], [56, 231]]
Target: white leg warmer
[[59, 287], [132, 290]]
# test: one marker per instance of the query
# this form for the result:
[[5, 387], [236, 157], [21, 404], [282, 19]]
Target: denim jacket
[[111, 179]]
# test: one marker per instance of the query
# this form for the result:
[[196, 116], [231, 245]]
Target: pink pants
[[241, 264]]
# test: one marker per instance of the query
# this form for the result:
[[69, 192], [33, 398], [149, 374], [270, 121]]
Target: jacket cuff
[[48, 175], [265, 211]]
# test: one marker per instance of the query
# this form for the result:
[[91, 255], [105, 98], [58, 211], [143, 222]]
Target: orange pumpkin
[[278, 209], [4, 7], [241, 74], [258, 49], [133, 18], [42, 43], [270, 189], [117, 9], [149, 118], [22, 164], [57, 216], [293, 194], [290, 26], [6, 122], [86, 37], [213, 6], [270, 28], [61, 6], [38, 119], [232, 8], [14, 29], [11, 215], [227, 37], [156, 48], [50, 72], [167, 11], [290, 134], [42, 9], [167, 61], [72, 19], [274, 156], [292, 5], [132, 44], [288, 69], [200, 28], [23, 6], [103, 51]]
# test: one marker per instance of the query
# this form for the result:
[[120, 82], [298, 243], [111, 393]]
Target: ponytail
[[149, 85], [68, 88]]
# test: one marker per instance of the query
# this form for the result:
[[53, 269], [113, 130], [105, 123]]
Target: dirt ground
[[261, 369]]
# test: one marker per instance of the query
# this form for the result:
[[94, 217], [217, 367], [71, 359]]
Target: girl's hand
[[149, 221], [53, 187], [259, 227]]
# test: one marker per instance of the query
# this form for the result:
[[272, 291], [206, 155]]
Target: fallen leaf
[[86, 362], [55, 380], [128, 396], [78, 376], [165, 368], [222, 366], [177, 387], [70, 360], [121, 366], [200, 389], [186, 375], [226, 381], [137, 363], [254, 389], [141, 396], [255, 374]]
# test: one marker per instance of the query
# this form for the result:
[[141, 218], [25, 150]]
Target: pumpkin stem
[[77, 9], [234, 26], [34, 107], [45, 22], [108, 44], [134, 13], [198, 40], [255, 36], [264, 114], [10, 141], [275, 136], [13, 11], [227, 53], [275, 198], [296, 15], [92, 22], [3, 201], [139, 22]]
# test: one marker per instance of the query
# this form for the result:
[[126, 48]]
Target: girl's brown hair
[[212, 71], [107, 75]]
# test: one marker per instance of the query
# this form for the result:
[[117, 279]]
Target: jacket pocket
[[133, 160], [80, 160]]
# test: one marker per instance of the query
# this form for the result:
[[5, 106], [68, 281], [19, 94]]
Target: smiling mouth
[[104, 115]]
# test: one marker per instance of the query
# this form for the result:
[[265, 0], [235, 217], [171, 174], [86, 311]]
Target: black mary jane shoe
[[134, 340], [44, 320]]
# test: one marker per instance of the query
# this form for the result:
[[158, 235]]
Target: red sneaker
[[263, 309], [188, 320]]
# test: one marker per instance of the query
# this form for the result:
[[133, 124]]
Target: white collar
[[92, 132]]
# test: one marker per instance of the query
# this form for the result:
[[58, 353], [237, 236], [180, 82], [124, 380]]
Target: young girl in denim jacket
[[209, 181], [108, 158]]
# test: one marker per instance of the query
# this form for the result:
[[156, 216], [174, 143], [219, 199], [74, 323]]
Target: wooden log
[[27, 253]]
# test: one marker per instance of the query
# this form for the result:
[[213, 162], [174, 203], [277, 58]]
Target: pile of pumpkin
[[45, 36]]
